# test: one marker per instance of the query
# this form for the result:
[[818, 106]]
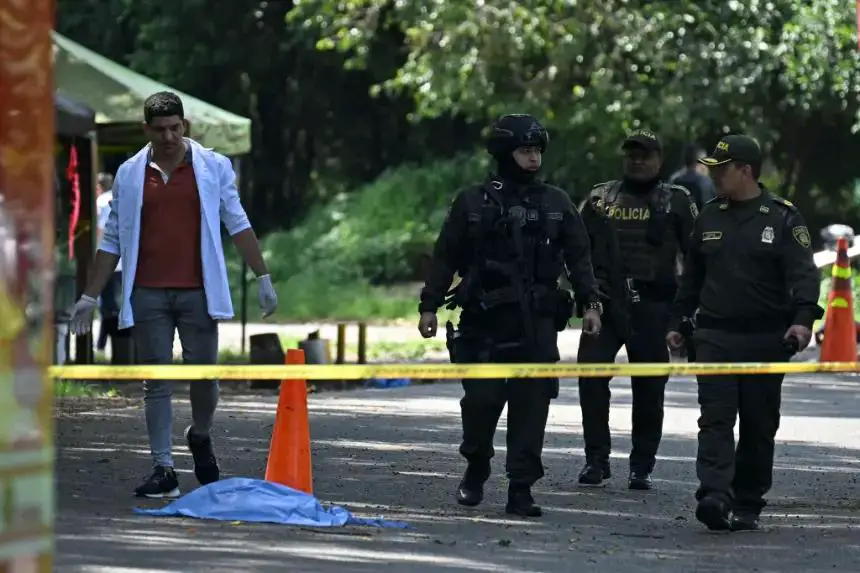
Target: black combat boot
[[595, 473], [744, 520], [714, 513], [521, 502], [639, 479], [470, 492]]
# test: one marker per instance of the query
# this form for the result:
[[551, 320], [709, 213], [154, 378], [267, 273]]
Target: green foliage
[[787, 71], [73, 389], [570, 60], [332, 264]]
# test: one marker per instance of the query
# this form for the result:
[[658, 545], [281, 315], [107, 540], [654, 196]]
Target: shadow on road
[[393, 453]]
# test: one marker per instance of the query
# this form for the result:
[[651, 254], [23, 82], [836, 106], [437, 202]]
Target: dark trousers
[[528, 399], [646, 342], [741, 476]]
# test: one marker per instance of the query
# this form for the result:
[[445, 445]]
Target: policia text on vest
[[637, 226], [510, 238]]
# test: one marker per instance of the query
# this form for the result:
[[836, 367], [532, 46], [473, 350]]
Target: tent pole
[[243, 280]]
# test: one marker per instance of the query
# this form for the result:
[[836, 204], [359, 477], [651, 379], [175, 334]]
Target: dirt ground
[[393, 453]]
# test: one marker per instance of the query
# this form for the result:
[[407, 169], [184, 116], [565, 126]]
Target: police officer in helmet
[[637, 225], [510, 238]]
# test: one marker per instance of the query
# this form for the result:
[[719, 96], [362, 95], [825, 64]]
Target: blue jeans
[[158, 315]]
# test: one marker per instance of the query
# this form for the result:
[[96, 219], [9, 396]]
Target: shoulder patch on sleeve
[[801, 235]]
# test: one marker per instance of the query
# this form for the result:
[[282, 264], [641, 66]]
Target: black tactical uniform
[[750, 272], [636, 230], [510, 239]]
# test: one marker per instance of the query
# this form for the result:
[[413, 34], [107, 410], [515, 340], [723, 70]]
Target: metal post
[[243, 311], [86, 240], [26, 282], [243, 284], [362, 343], [341, 343]]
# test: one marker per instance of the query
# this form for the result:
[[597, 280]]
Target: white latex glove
[[82, 315], [267, 296]]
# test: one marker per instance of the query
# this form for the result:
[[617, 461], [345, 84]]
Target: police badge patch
[[801, 235]]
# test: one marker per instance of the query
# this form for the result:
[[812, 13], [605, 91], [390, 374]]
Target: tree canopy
[[341, 90], [786, 71]]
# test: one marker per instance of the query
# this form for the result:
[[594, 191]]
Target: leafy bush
[[337, 262]]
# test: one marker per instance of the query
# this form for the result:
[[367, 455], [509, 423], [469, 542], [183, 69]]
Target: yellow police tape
[[434, 371]]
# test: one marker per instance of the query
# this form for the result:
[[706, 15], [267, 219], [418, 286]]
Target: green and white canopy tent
[[117, 94]]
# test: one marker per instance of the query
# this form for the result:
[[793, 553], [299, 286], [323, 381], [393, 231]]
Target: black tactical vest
[[514, 237], [646, 236]]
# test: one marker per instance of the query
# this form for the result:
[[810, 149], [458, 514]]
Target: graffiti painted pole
[[26, 285]]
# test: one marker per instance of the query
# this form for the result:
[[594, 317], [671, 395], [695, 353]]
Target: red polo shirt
[[170, 225]]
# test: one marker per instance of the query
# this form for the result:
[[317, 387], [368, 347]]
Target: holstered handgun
[[451, 336], [687, 328]]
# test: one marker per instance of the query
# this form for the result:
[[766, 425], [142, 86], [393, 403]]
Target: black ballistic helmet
[[516, 130]]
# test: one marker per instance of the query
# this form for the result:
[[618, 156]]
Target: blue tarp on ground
[[253, 500], [386, 383]]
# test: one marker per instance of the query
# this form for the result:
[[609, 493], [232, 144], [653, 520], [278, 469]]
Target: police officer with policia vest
[[750, 272], [510, 239], [636, 225]]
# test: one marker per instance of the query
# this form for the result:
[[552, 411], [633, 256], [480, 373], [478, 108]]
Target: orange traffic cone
[[290, 450], [840, 331]]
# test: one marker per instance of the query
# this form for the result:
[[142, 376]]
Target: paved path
[[393, 453]]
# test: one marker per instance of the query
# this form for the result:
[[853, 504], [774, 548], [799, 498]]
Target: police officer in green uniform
[[638, 227], [510, 238], [750, 273]]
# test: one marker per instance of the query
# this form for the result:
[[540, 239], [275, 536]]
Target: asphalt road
[[393, 453]]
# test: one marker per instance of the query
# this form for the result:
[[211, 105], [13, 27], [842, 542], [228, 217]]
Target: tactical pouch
[[564, 309]]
